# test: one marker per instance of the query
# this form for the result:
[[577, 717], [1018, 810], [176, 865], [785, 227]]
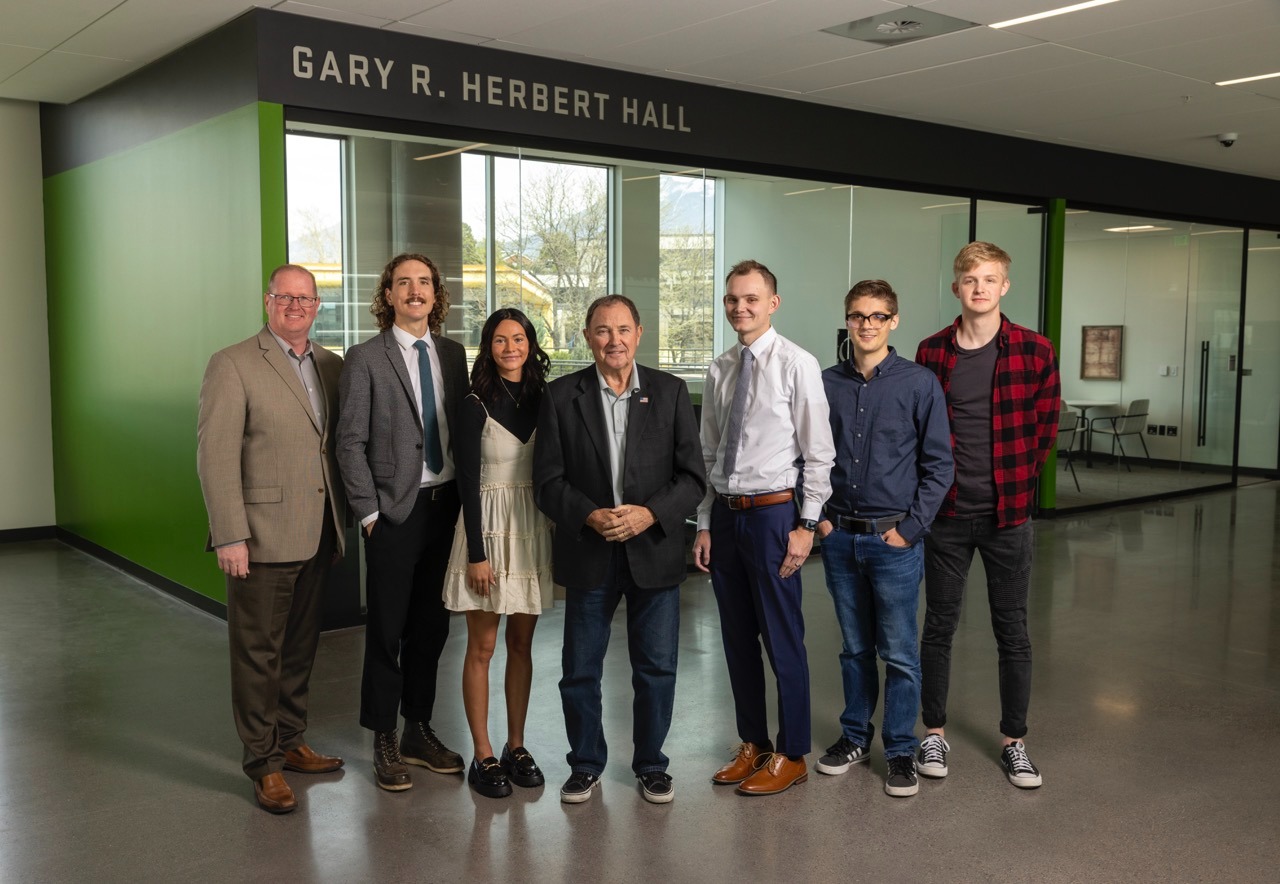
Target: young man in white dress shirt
[[766, 441]]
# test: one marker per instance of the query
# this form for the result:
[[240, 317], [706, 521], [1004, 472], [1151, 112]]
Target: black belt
[[435, 492], [865, 526]]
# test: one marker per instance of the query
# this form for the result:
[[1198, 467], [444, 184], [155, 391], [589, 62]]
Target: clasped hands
[[622, 522]]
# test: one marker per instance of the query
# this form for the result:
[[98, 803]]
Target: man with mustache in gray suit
[[400, 392]]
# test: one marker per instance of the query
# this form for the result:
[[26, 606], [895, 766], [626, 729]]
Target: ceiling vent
[[900, 26]]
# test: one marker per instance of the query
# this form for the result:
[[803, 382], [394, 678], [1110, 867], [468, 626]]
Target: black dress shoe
[[487, 778], [387, 764], [520, 767]]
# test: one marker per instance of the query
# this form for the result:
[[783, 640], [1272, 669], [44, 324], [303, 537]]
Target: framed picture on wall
[[1101, 352]]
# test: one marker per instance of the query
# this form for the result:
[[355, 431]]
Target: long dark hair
[[485, 381]]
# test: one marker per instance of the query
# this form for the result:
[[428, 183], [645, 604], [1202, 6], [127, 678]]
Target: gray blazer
[[379, 431], [266, 466], [664, 471]]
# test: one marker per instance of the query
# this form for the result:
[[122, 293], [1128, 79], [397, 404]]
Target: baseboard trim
[[23, 535], [146, 575]]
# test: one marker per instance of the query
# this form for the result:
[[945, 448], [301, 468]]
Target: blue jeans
[[653, 633], [876, 590]]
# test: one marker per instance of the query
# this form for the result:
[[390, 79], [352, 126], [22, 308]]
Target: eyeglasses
[[870, 320], [288, 300]]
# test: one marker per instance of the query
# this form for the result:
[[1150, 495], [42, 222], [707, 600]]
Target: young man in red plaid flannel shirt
[[1002, 389]]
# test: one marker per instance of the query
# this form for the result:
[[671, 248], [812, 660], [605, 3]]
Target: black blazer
[[664, 471]]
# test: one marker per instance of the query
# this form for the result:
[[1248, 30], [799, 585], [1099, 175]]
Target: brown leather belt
[[754, 501]]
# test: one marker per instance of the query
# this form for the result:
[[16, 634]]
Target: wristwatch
[[809, 524]]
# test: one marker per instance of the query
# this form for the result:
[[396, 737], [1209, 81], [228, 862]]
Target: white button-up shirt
[[786, 431]]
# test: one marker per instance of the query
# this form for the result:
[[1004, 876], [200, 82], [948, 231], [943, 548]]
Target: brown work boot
[[746, 760], [274, 794], [387, 764], [778, 774]]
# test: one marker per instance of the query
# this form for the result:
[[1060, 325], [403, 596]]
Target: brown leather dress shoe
[[274, 794], [746, 761], [304, 759], [778, 774]]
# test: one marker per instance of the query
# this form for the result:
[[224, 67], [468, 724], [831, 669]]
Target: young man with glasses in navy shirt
[[893, 467]]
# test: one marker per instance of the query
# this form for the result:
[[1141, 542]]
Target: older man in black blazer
[[618, 468], [400, 392]]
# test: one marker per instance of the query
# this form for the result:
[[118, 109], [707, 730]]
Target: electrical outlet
[[1173, 431], [1162, 429], [1151, 429]]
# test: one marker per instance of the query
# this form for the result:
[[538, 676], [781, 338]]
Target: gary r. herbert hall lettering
[[363, 72]]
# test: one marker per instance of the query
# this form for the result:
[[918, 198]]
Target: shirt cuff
[[369, 519]]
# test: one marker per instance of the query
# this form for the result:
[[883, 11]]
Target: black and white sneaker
[[1018, 767], [901, 782], [656, 786], [840, 756], [579, 787], [933, 756]]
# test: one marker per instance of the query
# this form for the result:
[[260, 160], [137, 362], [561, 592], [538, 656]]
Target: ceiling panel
[[342, 15], [45, 24], [144, 30], [1096, 20], [391, 10], [498, 18], [945, 49], [438, 33], [1179, 29], [739, 30], [1220, 58], [15, 58], [62, 77], [765, 58]]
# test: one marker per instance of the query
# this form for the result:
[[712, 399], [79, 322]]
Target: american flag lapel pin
[[644, 400]]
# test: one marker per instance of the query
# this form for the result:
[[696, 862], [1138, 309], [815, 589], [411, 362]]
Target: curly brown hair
[[385, 315]]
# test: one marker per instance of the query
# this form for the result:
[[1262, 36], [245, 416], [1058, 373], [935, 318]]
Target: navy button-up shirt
[[893, 443]]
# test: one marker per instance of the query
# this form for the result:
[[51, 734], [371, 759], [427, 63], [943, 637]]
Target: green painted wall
[[155, 260]]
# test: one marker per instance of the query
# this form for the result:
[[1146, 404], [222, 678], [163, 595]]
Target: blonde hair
[[979, 252]]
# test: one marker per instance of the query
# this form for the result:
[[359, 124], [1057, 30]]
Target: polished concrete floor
[[1154, 720]]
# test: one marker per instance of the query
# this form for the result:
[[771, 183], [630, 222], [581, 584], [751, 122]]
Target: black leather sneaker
[[578, 787]]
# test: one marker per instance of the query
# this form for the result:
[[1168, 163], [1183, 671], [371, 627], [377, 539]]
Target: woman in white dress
[[501, 558]]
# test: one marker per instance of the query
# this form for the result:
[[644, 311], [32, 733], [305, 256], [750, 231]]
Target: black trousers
[[406, 623], [273, 622]]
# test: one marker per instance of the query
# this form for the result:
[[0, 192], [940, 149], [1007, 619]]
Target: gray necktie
[[430, 428], [737, 411]]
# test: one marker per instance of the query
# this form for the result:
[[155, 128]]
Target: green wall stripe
[[1054, 240], [271, 188], [154, 260]]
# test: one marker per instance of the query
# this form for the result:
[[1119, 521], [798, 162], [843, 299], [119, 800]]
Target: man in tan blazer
[[268, 408]]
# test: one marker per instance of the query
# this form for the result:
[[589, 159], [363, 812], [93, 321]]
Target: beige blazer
[[266, 467]]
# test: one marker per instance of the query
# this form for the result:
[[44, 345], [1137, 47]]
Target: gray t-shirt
[[970, 401]]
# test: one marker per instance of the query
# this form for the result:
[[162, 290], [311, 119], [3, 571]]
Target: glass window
[[313, 182]]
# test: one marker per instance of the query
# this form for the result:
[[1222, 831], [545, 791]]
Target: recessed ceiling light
[[1247, 79], [1063, 10], [1137, 228]]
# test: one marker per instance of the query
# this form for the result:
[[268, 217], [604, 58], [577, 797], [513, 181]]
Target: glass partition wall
[[1150, 320]]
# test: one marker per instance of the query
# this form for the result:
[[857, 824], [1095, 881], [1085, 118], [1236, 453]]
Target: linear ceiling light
[[449, 153], [945, 205], [810, 190], [1247, 79], [1137, 228], [1063, 10]]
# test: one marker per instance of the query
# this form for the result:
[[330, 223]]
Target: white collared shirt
[[406, 342], [786, 421], [616, 410]]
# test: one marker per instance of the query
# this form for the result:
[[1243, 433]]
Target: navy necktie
[[430, 427]]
